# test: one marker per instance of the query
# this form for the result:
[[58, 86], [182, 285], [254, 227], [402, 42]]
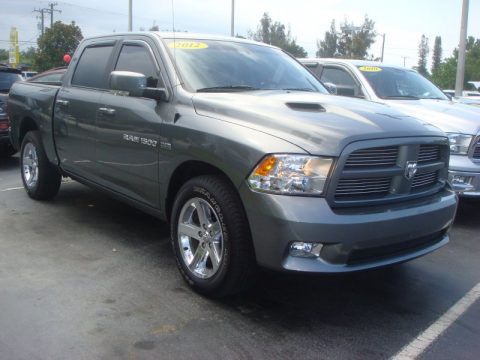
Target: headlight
[[2, 108], [291, 174], [459, 143]]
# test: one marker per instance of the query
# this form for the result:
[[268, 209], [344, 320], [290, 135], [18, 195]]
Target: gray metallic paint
[[230, 132]]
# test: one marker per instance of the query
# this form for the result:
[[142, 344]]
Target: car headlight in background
[[3, 108], [459, 143], [291, 174]]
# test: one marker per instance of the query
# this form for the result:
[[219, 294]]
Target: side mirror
[[135, 84], [131, 82], [331, 87]]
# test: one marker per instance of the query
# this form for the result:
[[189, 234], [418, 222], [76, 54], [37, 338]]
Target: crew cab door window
[[346, 85], [138, 59], [92, 67]]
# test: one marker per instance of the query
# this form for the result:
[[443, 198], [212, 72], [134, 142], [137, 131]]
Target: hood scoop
[[303, 106]]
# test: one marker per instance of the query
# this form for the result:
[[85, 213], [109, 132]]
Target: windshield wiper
[[407, 97], [227, 88]]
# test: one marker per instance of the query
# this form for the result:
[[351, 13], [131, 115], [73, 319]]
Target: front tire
[[211, 237], [41, 179]]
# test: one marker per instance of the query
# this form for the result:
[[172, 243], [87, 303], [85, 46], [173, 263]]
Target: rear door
[[128, 130], [76, 109]]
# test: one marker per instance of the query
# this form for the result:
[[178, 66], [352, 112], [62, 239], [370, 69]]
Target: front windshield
[[7, 79], [394, 83], [221, 66]]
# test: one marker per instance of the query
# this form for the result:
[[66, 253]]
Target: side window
[[138, 59], [346, 86], [92, 67], [315, 69]]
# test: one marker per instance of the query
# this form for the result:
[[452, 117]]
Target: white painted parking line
[[64, 181], [13, 188], [426, 338]]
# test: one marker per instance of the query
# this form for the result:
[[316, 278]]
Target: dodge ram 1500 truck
[[242, 150]]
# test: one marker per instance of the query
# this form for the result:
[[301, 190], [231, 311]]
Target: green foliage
[[352, 42], [423, 51], [327, 48], [27, 57], [57, 41], [437, 54], [444, 77], [3, 56], [275, 33]]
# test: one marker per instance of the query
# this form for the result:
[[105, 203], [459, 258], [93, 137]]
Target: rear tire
[[41, 179], [211, 237]]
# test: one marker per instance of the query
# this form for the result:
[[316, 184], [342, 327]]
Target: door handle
[[107, 111], [62, 102]]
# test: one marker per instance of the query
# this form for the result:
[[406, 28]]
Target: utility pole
[[232, 28], [404, 58], [42, 15], [129, 15], [383, 47], [51, 11], [461, 51]]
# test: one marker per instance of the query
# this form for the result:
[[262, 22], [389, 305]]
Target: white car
[[468, 97], [406, 90]]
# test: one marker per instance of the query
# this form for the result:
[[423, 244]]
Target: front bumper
[[464, 176], [353, 239]]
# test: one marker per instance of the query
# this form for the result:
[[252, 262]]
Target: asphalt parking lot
[[87, 277]]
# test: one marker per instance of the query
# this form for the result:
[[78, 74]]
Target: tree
[[437, 54], [58, 40], [27, 57], [274, 33], [423, 51], [328, 47], [352, 42], [446, 73], [3, 56]]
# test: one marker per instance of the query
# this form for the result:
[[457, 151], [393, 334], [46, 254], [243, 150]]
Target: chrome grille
[[428, 153], [363, 187], [425, 179], [381, 156]]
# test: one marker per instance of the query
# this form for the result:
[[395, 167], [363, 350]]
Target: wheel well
[[185, 172], [27, 125]]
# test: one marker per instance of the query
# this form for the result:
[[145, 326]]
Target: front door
[[128, 131]]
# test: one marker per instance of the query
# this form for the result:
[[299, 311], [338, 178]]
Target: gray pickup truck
[[242, 150]]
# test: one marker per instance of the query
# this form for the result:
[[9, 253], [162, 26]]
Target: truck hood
[[319, 124], [446, 115]]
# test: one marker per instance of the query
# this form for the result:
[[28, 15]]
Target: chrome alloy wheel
[[200, 238], [30, 165]]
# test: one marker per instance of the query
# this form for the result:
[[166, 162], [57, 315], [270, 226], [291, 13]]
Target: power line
[[51, 11]]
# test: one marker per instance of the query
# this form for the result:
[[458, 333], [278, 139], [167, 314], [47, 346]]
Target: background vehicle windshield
[[392, 83], [233, 66], [7, 79]]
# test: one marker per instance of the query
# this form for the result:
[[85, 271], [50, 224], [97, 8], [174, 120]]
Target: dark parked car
[[7, 77]]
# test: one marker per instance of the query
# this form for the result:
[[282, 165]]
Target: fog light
[[305, 249], [460, 183]]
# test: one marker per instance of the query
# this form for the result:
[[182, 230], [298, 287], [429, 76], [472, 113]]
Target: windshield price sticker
[[370, 68], [187, 45]]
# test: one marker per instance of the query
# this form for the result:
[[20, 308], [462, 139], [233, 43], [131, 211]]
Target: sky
[[402, 22]]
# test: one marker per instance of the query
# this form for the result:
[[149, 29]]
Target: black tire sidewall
[[197, 188], [49, 177]]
